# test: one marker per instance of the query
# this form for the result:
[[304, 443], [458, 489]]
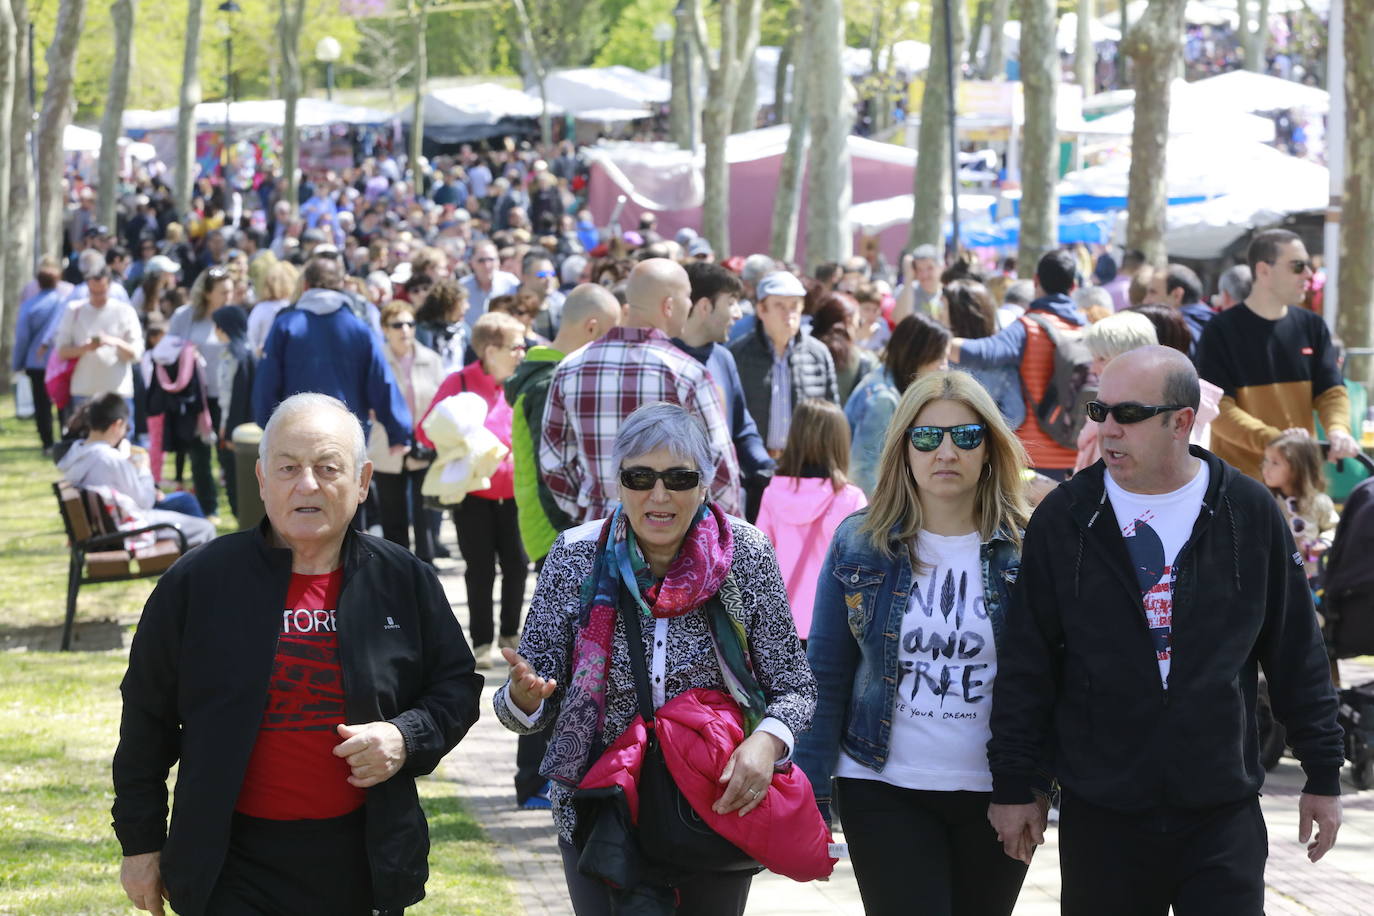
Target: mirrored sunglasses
[[966, 436]]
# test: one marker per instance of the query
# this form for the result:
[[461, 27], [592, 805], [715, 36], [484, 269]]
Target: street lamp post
[[228, 7], [327, 50]]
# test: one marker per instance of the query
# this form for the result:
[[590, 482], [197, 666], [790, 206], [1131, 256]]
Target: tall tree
[[787, 55], [723, 80], [53, 121], [1154, 45], [829, 189], [1254, 33], [1040, 160], [782, 243], [291, 13], [18, 237], [122, 13], [995, 65], [932, 146], [535, 65], [1084, 53], [1356, 280], [746, 111], [9, 41], [186, 110], [684, 107]]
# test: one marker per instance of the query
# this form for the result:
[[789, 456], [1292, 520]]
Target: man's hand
[[1020, 828], [374, 751], [527, 690], [1343, 445], [1326, 811], [141, 876], [748, 773]]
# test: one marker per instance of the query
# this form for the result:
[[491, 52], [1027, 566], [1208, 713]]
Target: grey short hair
[[379, 280], [755, 266], [309, 402], [925, 253], [1119, 333], [1236, 282], [1086, 296], [668, 426], [1021, 292]]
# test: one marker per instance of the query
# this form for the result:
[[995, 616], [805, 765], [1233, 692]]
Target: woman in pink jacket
[[488, 527], [808, 498]]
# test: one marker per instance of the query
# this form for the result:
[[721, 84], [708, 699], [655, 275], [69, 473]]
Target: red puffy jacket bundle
[[698, 731]]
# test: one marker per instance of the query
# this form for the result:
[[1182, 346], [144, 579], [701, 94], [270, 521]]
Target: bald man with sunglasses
[[1273, 360], [1151, 585]]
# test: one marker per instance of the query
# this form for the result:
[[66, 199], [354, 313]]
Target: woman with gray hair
[[1120, 332], [715, 617]]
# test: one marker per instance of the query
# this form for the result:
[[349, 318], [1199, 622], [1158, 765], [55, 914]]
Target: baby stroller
[[1357, 718], [1348, 607]]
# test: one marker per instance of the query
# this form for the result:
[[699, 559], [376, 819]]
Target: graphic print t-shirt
[[293, 773], [1155, 528], [946, 664]]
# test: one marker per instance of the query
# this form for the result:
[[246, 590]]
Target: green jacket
[[527, 391]]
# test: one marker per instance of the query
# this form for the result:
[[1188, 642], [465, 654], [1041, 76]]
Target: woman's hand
[[527, 689], [748, 773]]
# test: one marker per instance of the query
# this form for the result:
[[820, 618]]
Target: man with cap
[[779, 365], [103, 335], [700, 249]]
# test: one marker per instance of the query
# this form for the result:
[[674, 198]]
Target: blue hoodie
[[320, 345], [1004, 348]]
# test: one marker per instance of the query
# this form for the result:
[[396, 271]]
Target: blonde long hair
[[1000, 500]]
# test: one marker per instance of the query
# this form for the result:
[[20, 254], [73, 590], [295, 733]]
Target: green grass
[[59, 715]]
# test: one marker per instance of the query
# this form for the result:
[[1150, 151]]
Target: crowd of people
[[830, 515]]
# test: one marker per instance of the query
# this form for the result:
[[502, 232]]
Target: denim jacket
[[853, 647]]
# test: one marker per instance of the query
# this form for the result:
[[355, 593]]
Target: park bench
[[98, 552]]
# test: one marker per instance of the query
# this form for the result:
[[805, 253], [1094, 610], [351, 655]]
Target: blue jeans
[[181, 501]]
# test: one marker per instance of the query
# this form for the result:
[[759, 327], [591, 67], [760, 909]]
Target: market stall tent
[[605, 93], [464, 114]]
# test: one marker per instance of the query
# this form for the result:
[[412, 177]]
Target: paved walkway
[[483, 765]]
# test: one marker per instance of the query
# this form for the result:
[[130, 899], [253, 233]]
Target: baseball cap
[[700, 246], [160, 263], [312, 235], [780, 283], [97, 231]]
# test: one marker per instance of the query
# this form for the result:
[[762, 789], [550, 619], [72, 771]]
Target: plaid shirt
[[595, 389]]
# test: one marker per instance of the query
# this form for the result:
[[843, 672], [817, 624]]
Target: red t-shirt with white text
[[293, 773]]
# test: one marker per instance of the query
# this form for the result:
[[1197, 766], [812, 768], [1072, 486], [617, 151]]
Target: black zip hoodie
[[197, 685], [1079, 677]]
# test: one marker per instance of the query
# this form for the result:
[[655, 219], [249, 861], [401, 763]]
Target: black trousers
[[929, 852], [707, 894], [488, 530], [401, 506], [1140, 864], [42, 406], [295, 868]]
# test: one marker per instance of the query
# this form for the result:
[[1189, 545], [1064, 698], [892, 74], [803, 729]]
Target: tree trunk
[[786, 58], [535, 64], [829, 191], [289, 32], [995, 66], [1084, 54], [745, 114], [186, 111], [57, 106], [787, 202], [122, 12], [681, 103], [9, 62], [932, 147], [980, 21], [723, 82], [18, 238], [1040, 159], [417, 109], [1356, 279], [1155, 48]]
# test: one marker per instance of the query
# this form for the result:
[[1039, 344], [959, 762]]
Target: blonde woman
[[1107, 339], [278, 290], [904, 644]]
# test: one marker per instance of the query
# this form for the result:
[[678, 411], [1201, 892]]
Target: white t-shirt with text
[[946, 664], [1155, 528]]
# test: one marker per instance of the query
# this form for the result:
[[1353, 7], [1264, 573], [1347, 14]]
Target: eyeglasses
[[1299, 265], [545, 274], [1127, 412], [673, 478], [397, 325], [966, 436]]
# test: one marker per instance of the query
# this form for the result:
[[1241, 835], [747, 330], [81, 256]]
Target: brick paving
[[525, 843]]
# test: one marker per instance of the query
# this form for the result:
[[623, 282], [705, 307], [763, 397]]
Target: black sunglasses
[[966, 436], [397, 325], [673, 478], [1127, 412], [1298, 265]]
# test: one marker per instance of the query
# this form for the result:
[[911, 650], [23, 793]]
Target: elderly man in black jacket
[[301, 675], [1151, 587]]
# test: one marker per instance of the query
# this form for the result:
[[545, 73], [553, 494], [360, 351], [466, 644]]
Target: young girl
[[1292, 470], [808, 498]]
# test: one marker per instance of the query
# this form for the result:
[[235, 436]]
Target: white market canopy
[[84, 140], [605, 93], [467, 113], [1244, 90], [256, 113], [1192, 115], [1066, 34]]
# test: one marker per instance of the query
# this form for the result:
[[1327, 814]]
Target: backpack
[[1060, 412]]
